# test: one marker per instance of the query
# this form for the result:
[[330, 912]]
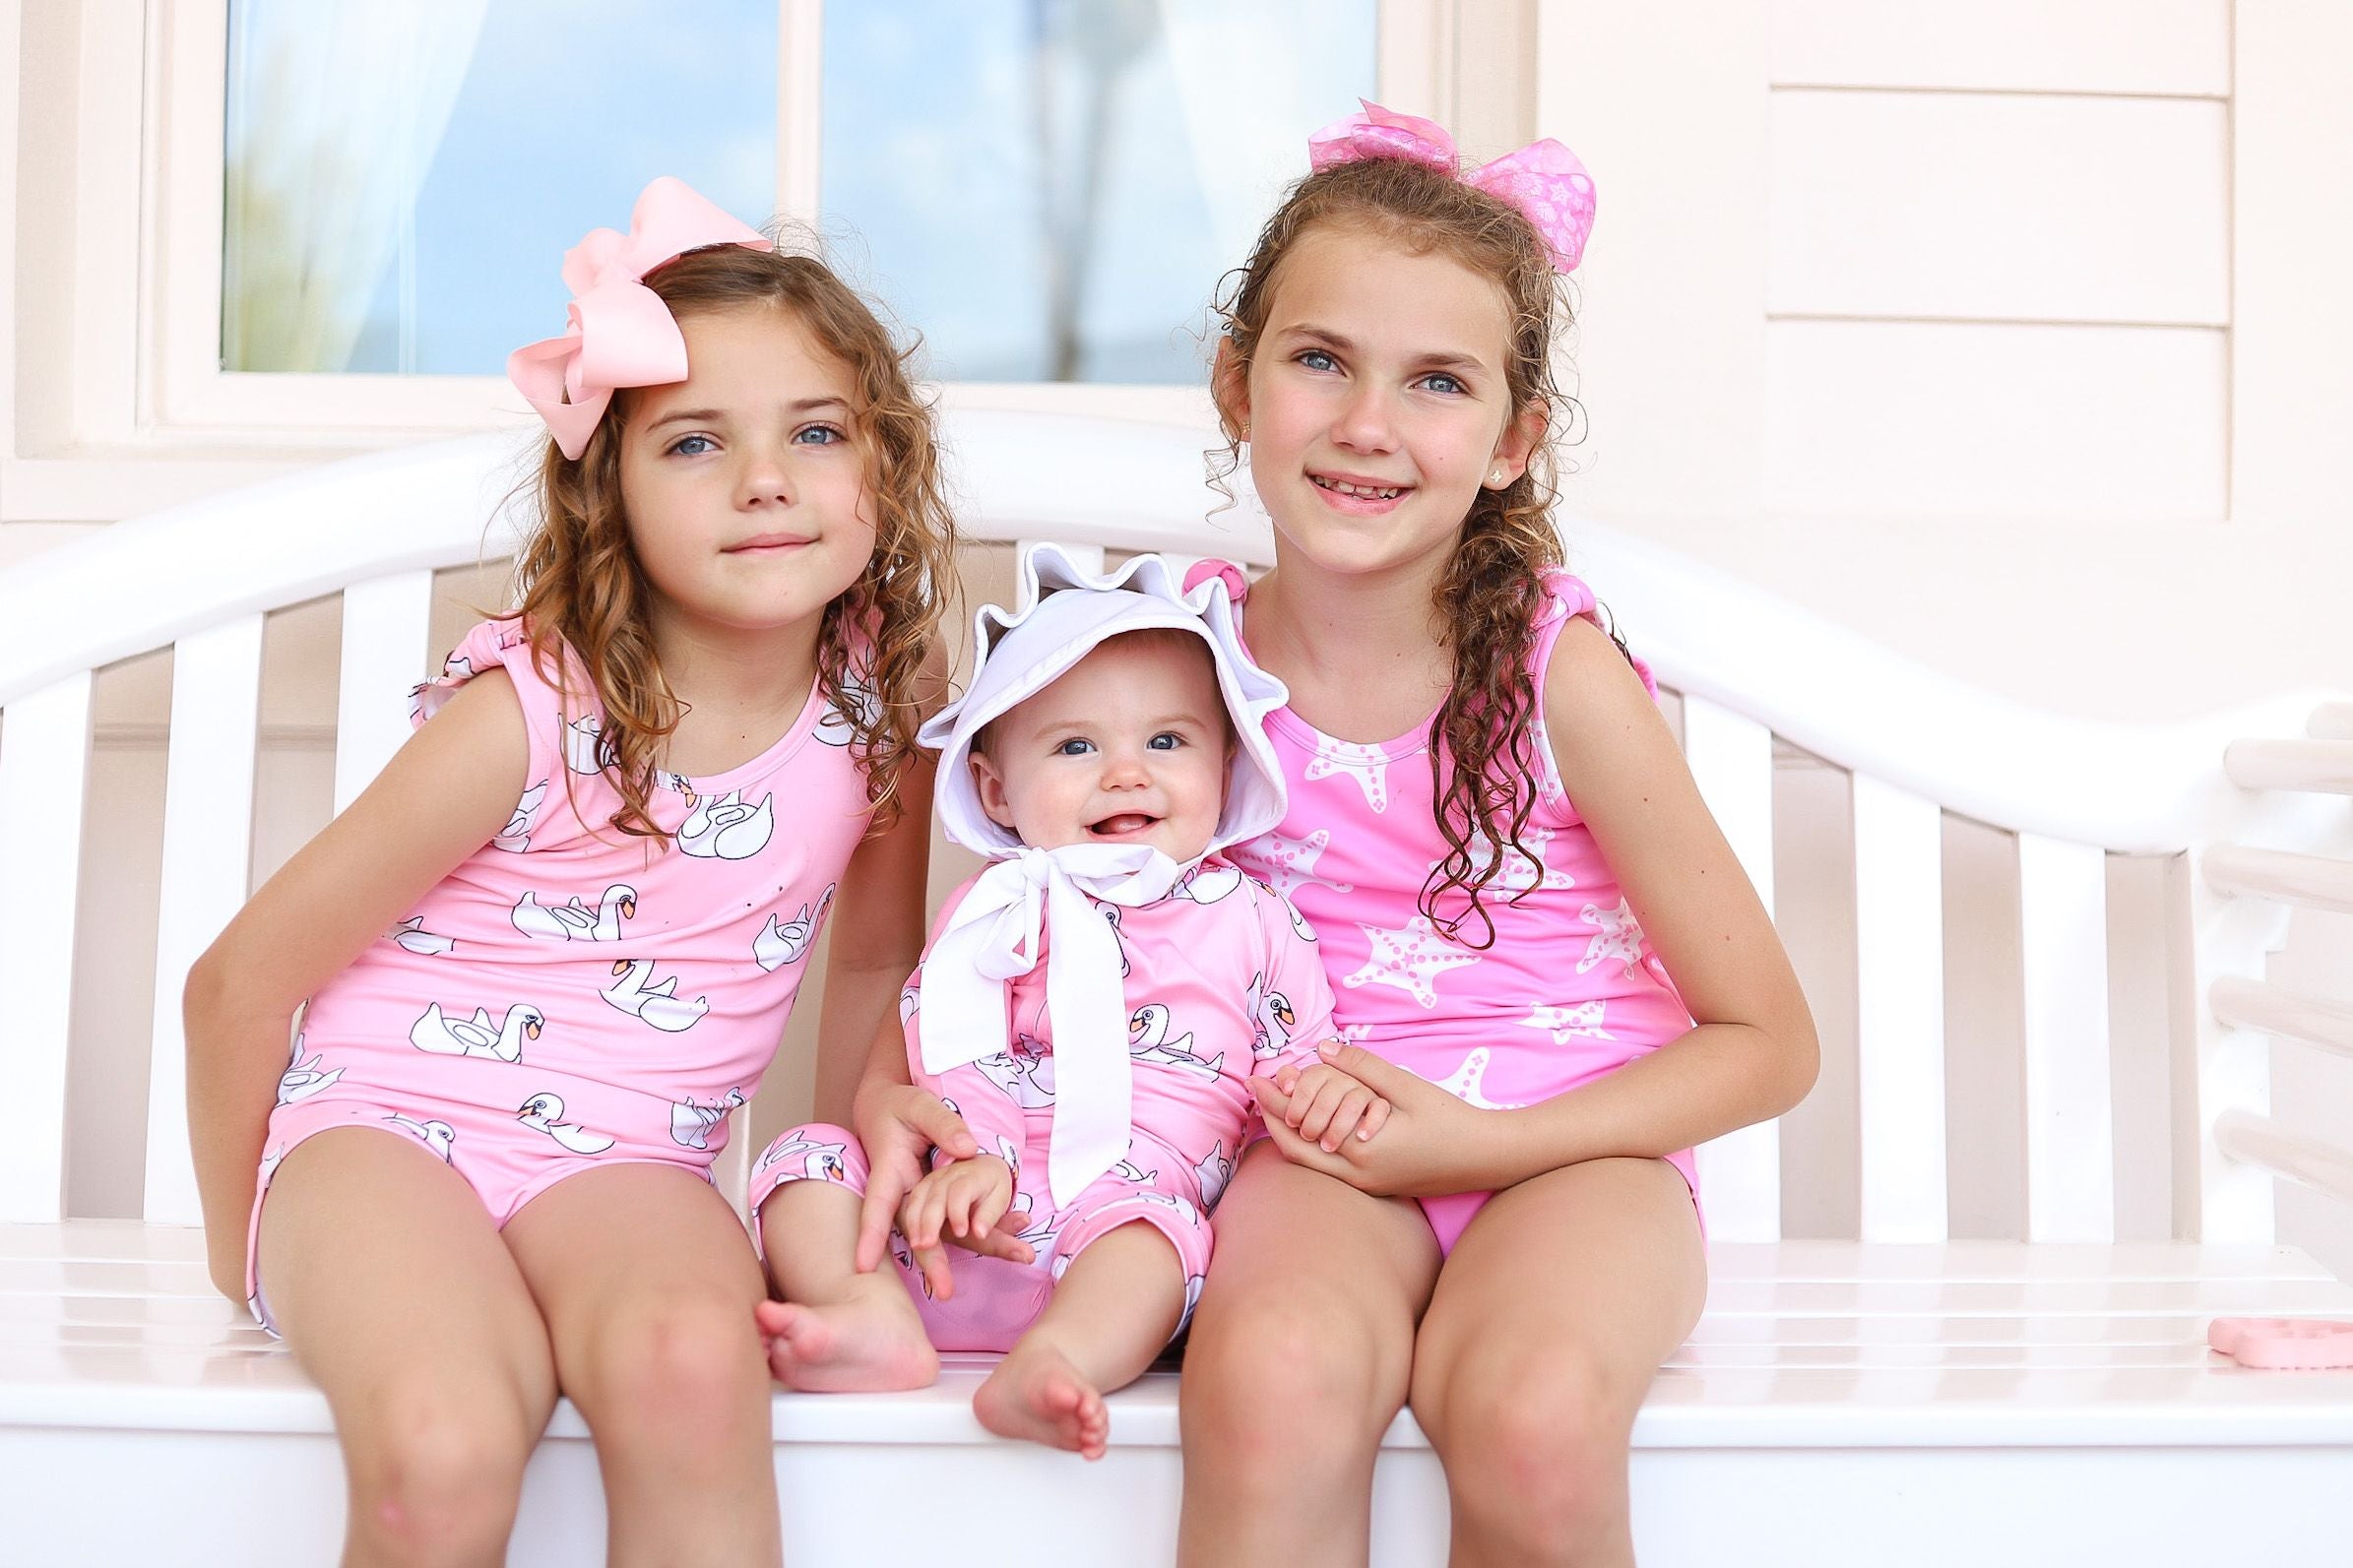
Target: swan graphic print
[[637, 992], [575, 921], [726, 828], [547, 1113], [445, 1036]]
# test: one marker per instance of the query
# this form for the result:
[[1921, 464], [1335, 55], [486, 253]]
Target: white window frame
[[151, 417]]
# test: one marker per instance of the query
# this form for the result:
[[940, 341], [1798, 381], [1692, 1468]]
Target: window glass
[[1050, 189], [1047, 189], [403, 180]]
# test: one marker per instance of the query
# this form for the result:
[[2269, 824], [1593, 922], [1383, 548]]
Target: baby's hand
[[1324, 1106], [965, 1197]]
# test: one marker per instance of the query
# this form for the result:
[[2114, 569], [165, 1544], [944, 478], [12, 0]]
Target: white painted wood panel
[[2291, 230], [44, 766], [1976, 421], [383, 656], [1731, 757], [1666, 105], [1899, 985], [2000, 207], [2152, 46], [2070, 1144], [208, 839]]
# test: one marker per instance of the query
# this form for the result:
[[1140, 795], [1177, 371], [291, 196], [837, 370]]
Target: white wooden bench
[[1896, 1395]]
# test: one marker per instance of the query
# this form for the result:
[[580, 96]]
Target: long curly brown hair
[[579, 584], [1483, 757]]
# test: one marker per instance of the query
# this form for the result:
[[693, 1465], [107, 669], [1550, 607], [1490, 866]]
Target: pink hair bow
[[1544, 180], [620, 334]]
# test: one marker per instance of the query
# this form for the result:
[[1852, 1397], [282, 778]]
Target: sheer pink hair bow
[[1544, 180], [621, 333]]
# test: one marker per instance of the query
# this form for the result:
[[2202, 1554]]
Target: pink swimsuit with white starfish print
[[570, 996], [1569, 990]]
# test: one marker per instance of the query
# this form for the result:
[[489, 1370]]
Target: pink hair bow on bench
[[1544, 180], [620, 332]]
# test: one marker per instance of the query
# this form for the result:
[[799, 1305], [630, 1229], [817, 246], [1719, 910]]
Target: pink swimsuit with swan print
[[567, 998], [1221, 982], [1570, 989]]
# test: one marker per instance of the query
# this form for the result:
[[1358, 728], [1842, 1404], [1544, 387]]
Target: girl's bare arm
[[877, 940], [1752, 1052], [443, 795]]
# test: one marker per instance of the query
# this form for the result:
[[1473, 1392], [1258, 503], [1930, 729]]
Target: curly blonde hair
[[579, 584], [1484, 762]]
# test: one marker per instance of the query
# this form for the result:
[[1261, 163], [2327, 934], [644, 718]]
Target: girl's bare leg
[[386, 1278], [836, 1330], [648, 1283], [1298, 1361], [1111, 1313], [1549, 1323]]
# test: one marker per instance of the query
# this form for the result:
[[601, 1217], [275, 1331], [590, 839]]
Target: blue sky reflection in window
[[1046, 188]]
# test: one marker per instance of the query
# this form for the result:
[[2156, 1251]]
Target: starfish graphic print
[[1548, 779], [1466, 1083], [1368, 766], [1409, 959], [1565, 1024], [1286, 863], [1618, 938]]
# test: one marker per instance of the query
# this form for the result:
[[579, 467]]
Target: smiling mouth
[[1369, 492], [1124, 823]]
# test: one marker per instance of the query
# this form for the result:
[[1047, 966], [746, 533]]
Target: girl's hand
[[899, 1125], [965, 1199], [1426, 1140]]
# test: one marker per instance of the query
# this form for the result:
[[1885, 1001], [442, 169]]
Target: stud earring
[[1496, 476]]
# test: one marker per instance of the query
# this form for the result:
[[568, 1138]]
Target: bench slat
[[107, 1324], [386, 625], [207, 855], [1731, 757], [2070, 1141], [1899, 1014], [45, 774]]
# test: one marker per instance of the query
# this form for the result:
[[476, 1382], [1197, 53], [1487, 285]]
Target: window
[[212, 318], [1047, 189], [401, 179]]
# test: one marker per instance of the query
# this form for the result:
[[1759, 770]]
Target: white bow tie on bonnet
[[1060, 615]]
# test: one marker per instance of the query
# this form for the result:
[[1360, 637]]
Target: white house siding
[[2005, 333]]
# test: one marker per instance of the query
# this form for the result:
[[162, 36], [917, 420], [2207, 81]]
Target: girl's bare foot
[[1036, 1394], [853, 1347]]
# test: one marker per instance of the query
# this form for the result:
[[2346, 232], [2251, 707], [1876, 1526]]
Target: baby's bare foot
[[1038, 1394], [845, 1347]]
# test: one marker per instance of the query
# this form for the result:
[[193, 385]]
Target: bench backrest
[[2098, 827]]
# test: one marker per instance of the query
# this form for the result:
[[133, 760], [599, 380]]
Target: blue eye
[[827, 434], [1453, 384], [1074, 747], [693, 446], [1166, 740], [1317, 359]]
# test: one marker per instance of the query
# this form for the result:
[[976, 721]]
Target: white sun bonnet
[[1059, 616]]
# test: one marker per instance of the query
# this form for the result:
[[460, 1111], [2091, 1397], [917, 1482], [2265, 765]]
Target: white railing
[[2283, 1014]]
